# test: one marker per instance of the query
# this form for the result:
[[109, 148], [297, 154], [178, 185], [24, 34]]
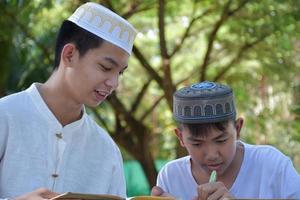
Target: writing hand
[[158, 191], [213, 191]]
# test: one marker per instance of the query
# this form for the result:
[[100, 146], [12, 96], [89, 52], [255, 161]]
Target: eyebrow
[[223, 134], [191, 138], [113, 62]]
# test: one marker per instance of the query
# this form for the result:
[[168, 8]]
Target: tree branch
[[162, 97], [143, 61], [240, 6], [152, 107], [140, 96], [135, 9], [238, 57], [211, 40], [187, 31], [167, 80], [161, 27]]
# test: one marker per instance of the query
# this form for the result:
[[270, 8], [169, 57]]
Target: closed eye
[[221, 141], [103, 68], [196, 144], [121, 72]]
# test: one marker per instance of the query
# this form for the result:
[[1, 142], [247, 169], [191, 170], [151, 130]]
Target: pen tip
[[213, 176]]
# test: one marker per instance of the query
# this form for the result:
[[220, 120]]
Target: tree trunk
[[148, 165]]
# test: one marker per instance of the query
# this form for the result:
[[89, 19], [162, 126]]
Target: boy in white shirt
[[209, 130], [48, 143]]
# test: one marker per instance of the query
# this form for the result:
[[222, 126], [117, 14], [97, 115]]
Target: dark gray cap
[[205, 102]]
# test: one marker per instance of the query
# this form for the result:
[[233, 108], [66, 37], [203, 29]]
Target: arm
[[3, 135], [159, 190], [37, 194], [3, 132], [118, 184], [290, 181]]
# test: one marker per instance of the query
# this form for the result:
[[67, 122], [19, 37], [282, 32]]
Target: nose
[[112, 82], [211, 152]]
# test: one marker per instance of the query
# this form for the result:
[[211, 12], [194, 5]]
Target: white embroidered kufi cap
[[106, 24]]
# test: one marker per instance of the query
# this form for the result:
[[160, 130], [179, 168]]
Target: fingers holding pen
[[213, 191], [205, 190]]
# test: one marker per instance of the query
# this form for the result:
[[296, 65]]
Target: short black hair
[[203, 129], [69, 32]]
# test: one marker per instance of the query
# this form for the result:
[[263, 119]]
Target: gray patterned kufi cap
[[205, 102]]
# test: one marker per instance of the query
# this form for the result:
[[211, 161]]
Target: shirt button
[[58, 135], [54, 175]]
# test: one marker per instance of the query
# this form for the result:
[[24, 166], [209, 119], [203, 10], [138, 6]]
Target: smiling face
[[213, 150], [92, 77]]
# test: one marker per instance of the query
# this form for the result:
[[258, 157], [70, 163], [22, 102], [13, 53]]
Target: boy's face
[[214, 150], [93, 76]]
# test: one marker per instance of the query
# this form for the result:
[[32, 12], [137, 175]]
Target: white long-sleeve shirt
[[37, 151]]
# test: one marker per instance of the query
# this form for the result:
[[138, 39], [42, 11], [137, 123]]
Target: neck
[[233, 169], [59, 101]]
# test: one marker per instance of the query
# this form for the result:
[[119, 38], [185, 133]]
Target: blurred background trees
[[254, 46]]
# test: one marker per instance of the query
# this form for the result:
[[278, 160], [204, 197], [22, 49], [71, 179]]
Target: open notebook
[[70, 195]]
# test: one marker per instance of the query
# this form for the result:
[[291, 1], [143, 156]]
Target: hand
[[39, 194], [213, 191], [158, 191]]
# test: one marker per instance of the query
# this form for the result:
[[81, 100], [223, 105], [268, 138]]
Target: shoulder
[[12, 102], [179, 164], [262, 151], [19, 99], [12, 98], [271, 170], [265, 156], [175, 176]]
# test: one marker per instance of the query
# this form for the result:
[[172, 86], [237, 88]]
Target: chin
[[93, 104]]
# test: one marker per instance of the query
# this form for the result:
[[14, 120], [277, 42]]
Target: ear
[[238, 126], [178, 133], [67, 54]]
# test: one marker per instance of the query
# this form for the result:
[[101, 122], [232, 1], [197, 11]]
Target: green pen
[[213, 176]]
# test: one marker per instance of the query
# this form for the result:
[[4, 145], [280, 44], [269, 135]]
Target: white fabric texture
[[105, 24], [265, 173], [85, 159]]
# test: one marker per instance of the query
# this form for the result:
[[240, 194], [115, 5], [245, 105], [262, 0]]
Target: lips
[[101, 95], [214, 166]]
